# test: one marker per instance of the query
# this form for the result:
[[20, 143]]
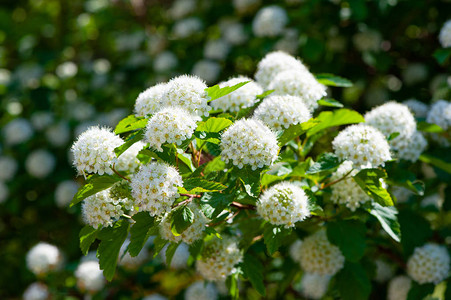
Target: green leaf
[[130, 123], [158, 245], [387, 217], [369, 181], [196, 247], [325, 162], [393, 136], [136, 137], [198, 185], [87, 236], [265, 94], [95, 184], [353, 282], [333, 80], [213, 204], [232, 285], [296, 130], [181, 218], [274, 236], [349, 236], [337, 117], [415, 231], [216, 92], [214, 125], [442, 55], [330, 103], [436, 162], [144, 227], [250, 179], [111, 240], [215, 165], [253, 270], [429, 127], [170, 251], [420, 291]]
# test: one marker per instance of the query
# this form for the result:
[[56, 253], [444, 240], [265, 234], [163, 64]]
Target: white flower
[[440, 114], [434, 200], [219, 257], [4, 192], [299, 83], [150, 101], [8, 167], [17, 131], [418, 108], [243, 97], [200, 290], [189, 93], [182, 8], [398, 288], [207, 70], [269, 21], [234, 33], [40, 163], [273, 63], [414, 147], [368, 40], [58, 134], [249, 142], [243, 6], [295, 251], [44, 258], [283, 204], [364, 145], [94, 151], [187, 27], [36, 291], [314, 286], [128, 161], [101, 210], [89, 277], [180, 258], [64, 192], [280, 112], [319, 256], [154, 188], [216, 49], [165, 61], [429, 263], [384, 271], [80, 111], [445, 35], [170, 125], [41, 119], [66, 70], [129, 262]]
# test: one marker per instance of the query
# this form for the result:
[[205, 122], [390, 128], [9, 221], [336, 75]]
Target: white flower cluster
[[150, 100], [154, 187], [243, 97], [58, 134], [216, 49], [429, 263], [398, 288], [187, 27], [284, 204], [36, 291], [64, 192], [413, 148], [41, 119], [295, 251], [128, 161], [364, 145], [169, 125], [8, 167], [314, 286], [219, 258], [384, 271], [165, 61], [234, 33], [207, 69], [180, 258], [280, 112], [201, 290], [319, 256], [440, 114], [44, 258], [101, 210], [269, 21], [17, 131], [40, 163], [445, 34], [129, 262], [94, 150], [89, 277], [249, 142], [347, 192], [418, 108]]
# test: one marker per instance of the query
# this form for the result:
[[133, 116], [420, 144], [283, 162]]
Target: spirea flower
[[36, 291], [58, 134], [207, 69], [243, 97], [434, 200], [43, 258], [319, 256], [41, 119], [347, 191], [384, 271], [89, 277], [170, 125], [269, 21], [8, 167], [17, 131], [128, 161], [280, 112], [299, 83], [150, 101], [154, 188], [165, 61], [219, 257], [295, 251], [40, 163], [189, 93], [418, 108], [101, 210], [314, 286], [216, 49], [273, 63], [398, 288], [412, 150], [283, 204], [94, 150], [249, 142], [187, 27], [364, 145], [129, 262], [4, 192], [180, 258], [64, 192], [234, 33], [200, 290], [445, 34], [429, 264], [440, 114]]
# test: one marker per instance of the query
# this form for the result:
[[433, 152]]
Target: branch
[[242, 206], [335, 181], [118, 174]]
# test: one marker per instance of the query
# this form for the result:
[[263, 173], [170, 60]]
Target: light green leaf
[[253, 270], [198, 185], [250, 179], [213, 204], [330, 103], [130, 123], [296, 130], [333, 80], [349, 236], [274, 236], [387, 217], [216, 92], [436, 161], [325, 162], [95, 184], [265, 94], [136, 137], [429, 127], [87, 236], [144, 227], [369, 181], [337, 117]]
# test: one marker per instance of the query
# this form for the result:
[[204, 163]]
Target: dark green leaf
[[369, 181], [216, 92], [253, 270], [353, 282], [387, 217], [95, 184], [333, 80], [87, 236], [295, 131], [264, 95], [326, 162], [158, 245], [181, 218], [250, 180], [170, 251], [349, 236], [337, 117], [420, 291], [428, 127], [442, 55], [130, 123], [436, 161], [415, 231], [274, 236], [330, 103], [130, 141], [198, 185], [143, 228], [213, 204], [393, 136], [195, 248]]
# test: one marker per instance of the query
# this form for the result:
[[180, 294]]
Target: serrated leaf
[[144, 227], [349, 236], [214, 125], [337, 117], [274, 236], [333, 80], [213, 204], [198, 185], [132, 139], [250, 180], [330, 103], [95, 184], [130, 123], [87, 236], [387, 217], [216, 92], [353, 282], [369, 181], [325, 162], [296, 130], [170, 251], [253, 270], [181, 218], [429, 127], [158, 245]]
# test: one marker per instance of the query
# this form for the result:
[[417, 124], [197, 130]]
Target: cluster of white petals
[[429, 263], [187, 27], [58, 134], [269, 21], [295, 251], [200, 290], [314, 286], [101, 210], [155, 297], [216, 49], [64, 192], [165, 61], [36, 291], [41, 119], [44, 258], [40, 163], [398, 288], [17, 131], [150, 100], [418, 108], [445, 34], [207, 69], [182, 8], [243, 97], [414, 147], [89, 276], [234, 33], [8, 167], [440, 114], [128, 161]]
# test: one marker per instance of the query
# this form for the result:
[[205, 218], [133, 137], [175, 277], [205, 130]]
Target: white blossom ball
[[429, 264], [100, 210], [299, 83], [207, 69], [89, 277], [295, 251], [314, 286], [216, 49], [8, 167], [283, 204], [384, 271], [243, 6], [269, 21], [129, 262], [187, 27], [440, 114], [243, 97], [180, 258], [154, 187], [170, 125], [4, 192], [58, 134], [128, 161], [319, 256], [273, 63], [398, 288], [182, 8], [418, 108], [17, 131], [36, 291], [40, 163], [414, 147], [44, 258], [94, 150], [280, 112], [165, 61], [65, 192], [364, 145], [201, 290], [219, 257], [445, 34], [234, 33], [41, 119], [150, 100], [155, 297], [249, 142]]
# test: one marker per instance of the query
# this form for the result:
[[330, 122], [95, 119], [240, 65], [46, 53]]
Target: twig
[[335, 181], [183, 202], [191, 195], [242, 206], [118, 174]]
